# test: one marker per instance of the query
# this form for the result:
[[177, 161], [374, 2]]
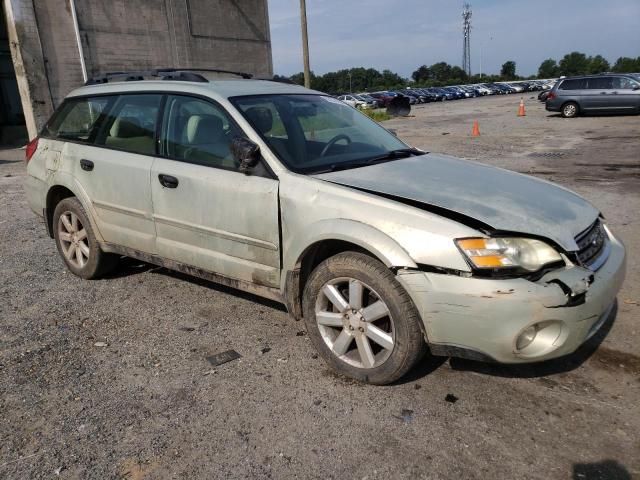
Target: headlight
[[492, 253]]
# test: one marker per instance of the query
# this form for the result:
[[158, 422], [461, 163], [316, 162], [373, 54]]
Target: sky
[[401, 35]]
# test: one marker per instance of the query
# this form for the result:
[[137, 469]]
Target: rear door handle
[[168, 181], [86, 165]]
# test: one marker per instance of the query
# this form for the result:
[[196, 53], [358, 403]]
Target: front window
[[197, 131], [624, 83], [316, 133]]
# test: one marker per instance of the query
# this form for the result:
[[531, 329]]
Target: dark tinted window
[[573, 84], [600, 83], [130, 124], [77, 119], [198, 131]]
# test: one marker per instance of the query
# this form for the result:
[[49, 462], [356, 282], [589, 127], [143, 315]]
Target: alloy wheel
[[73, 239], [355, 323], [570, 110]]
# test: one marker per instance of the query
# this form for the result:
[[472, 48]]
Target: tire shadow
[[219, 288], [604, 470]]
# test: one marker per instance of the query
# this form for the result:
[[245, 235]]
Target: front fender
[[386, 249]]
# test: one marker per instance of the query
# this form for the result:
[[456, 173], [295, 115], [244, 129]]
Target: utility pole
[[350, 90], [305, 43], [466, 38]]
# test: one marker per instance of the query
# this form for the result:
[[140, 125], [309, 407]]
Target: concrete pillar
[[28, 62]]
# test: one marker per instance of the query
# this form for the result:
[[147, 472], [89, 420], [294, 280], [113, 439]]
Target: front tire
[[361, 320], [77, 243], [570, 110]]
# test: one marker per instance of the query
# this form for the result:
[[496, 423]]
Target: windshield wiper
[[386, 157], [394, 155]]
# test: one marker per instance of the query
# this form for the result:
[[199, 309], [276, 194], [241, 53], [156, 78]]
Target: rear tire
[[77, 243], [570, 110], [361, 320]]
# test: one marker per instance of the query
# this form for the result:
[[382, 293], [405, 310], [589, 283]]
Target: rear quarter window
[[77, 119], [573, 84]]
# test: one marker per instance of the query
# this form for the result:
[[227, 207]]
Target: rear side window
[[600, 83], [130, 125], [77, 119], [573, 84]]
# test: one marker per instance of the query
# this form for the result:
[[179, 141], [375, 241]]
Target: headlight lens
[[491, 253]]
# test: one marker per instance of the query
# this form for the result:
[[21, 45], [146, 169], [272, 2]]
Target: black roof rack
[[277, 79], [181, 74]]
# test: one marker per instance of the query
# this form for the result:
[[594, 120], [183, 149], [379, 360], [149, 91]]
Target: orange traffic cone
[[476, 129], [521, 109]]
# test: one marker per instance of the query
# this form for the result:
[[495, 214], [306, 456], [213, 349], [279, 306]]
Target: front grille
[[591, 243]]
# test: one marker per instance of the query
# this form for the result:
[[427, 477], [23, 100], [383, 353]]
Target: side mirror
[[246, 153], [636, 87]]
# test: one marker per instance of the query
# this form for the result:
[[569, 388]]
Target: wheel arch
[[328, 238], [66, 188]]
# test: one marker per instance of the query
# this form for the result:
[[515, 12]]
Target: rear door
[[599, 94], [208, 214], [114, 166]]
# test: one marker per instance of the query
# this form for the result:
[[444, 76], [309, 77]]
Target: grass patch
[[379, 115]]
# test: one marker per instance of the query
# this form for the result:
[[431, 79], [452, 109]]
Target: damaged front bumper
[[491, 319]]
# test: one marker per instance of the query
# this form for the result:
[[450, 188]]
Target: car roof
[[215, 88], [596, 75]]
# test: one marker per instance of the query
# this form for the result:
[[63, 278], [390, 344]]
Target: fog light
[[526, 337]]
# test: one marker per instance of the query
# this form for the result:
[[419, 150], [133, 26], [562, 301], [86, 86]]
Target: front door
[[208, 214], [624, 97]]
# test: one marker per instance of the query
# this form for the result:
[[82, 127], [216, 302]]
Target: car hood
[[501, 199]]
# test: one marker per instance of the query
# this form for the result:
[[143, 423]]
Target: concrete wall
[[28, 62], [138, 34]]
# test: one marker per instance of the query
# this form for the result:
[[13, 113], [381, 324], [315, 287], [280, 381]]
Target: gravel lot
[[148, 404]]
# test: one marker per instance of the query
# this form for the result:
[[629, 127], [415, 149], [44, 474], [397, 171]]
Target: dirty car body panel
[[504, 200], [409, 211]]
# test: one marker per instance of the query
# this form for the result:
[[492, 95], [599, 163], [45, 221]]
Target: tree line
[[577, 63], [360, 79], [440, 74]]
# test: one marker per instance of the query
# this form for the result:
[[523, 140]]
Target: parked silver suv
[[384, 250], [605, 93]]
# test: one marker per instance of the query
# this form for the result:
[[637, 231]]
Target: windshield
[[315, 133]]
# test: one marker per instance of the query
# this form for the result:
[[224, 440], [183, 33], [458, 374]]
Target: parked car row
[[440, 94]]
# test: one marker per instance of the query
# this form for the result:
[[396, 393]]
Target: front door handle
[[86, 165], [168, 181]]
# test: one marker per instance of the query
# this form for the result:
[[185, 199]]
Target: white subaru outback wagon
[[384, 250]]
